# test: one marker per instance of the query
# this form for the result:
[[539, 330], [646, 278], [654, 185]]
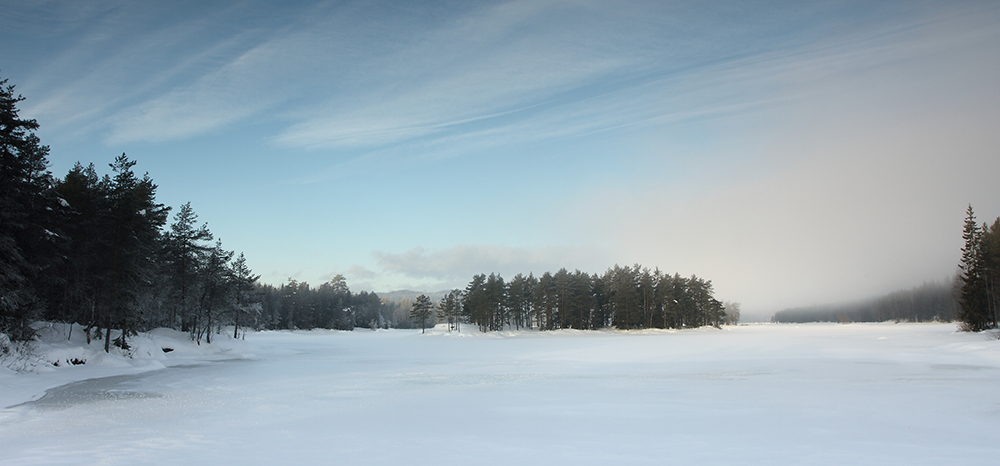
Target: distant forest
[[97, 249], [932, 301], [972, 297]]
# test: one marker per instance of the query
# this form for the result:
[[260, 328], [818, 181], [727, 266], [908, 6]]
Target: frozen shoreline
[[59, 351]]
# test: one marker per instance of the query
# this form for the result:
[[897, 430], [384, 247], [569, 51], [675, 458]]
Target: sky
[[794, 153]]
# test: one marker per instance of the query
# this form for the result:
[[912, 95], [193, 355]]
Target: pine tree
[[545, 302], [184, 252], [333, 299], [422, 310], [85, 270], [134, 228], [496, 297], [602, 305], [216, 287], [367, 308], [647, 288], [974, 305], [246, 309], [475, 302], [562, 284], [27, 204], [449, 309], [626, 296]]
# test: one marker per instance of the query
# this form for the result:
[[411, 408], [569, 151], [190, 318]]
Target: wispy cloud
[[444, 105], [124, 60], [490, 62], [370, 75], [229, 94]]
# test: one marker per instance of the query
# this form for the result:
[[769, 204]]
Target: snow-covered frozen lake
[[767, 394]]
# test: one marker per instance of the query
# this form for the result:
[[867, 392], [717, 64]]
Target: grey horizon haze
[[792, 153]]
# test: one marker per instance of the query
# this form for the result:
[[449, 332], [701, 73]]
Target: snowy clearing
[[760, 394]]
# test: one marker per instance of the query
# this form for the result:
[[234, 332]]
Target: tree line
[[629, 297], [332, 305], [95, 249], [979, 271]]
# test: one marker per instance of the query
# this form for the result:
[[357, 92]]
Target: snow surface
[[762, 394]]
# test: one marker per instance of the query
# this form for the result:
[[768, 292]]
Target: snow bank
[[61, 355]]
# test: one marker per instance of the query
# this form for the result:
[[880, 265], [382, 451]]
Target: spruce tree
[[973, 311]]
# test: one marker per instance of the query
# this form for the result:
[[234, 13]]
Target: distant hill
[[928, 302]]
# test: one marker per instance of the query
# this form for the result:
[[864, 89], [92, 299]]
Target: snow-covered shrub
[[18, 356]]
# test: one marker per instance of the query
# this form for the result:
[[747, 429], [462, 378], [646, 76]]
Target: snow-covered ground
[[760, 394]]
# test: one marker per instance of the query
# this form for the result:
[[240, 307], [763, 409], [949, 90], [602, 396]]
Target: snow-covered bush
[[17, 356]]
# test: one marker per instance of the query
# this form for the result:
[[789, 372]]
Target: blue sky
[[792, 153]]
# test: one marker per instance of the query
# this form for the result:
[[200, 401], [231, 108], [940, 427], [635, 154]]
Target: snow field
[[765, 394]]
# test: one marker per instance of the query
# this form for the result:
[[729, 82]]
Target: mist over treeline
[[972, 297], [932, 301]]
